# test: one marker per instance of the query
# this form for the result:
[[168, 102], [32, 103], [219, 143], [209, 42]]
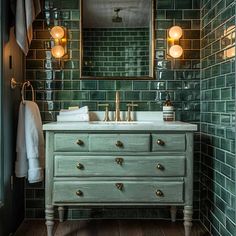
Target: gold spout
[[117, 113]]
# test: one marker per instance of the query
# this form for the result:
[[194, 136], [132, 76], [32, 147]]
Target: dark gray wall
[[12, 211]]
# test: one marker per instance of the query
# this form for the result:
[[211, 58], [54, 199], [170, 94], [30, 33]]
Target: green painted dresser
[[98, 164]]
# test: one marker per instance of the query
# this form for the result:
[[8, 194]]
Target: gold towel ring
[[27, 84]]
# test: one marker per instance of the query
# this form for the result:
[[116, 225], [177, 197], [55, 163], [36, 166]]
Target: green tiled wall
[[218, 118], [116, 52], [59, 88]]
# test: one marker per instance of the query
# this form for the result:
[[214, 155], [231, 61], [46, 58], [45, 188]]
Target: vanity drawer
[[168, 142], [159, 166], [119, 142], [71, 142], [118, 192]]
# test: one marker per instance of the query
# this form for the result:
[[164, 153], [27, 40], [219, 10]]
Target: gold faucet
[[117, 112]]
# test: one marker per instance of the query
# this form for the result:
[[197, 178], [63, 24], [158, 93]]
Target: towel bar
[[15, 84]]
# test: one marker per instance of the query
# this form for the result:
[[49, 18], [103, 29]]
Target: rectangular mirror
[[117, 39]]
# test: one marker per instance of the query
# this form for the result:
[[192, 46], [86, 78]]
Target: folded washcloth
[[82, 110], [78, 117]]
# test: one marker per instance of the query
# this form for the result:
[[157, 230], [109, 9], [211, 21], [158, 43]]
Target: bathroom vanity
[[147, 163]]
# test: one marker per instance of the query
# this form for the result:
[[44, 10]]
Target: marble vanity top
[[144, 121]]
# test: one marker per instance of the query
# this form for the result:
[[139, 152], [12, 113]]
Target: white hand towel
[[21, 164], [26, 12], [31, 156], [80, 117], [82, 110]]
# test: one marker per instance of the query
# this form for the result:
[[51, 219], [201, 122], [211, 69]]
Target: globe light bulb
[[231, 32], [176, 51], [58, 51], [230, 53], [57, 32], [175, 32]]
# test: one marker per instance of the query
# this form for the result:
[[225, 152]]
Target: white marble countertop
[[145, 121], [121, 126]]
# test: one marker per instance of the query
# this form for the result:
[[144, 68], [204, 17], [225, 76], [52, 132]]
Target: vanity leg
[[173, 210], [49, 215], [61, 212], [188, 213]]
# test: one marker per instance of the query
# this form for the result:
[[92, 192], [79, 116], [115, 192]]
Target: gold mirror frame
[[152, 41]]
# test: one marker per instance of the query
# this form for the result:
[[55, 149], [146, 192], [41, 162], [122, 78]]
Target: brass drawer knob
[[80, 166], [160, 142], [119, 160], [79, 193], [119, 144], [80, 142], [120, 186], [159, 193], [160, 166]]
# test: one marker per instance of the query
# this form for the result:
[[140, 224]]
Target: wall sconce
[[59, 34], [229, 36], [174, 49]]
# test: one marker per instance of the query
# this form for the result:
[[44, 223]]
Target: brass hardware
[[160, 142], [80, 142], [79, 193], [120, 186], [79, 166], [106, 118], [117, 112], [129, 111], [160, 166], [119, 144], [159, 193], [119, 160]]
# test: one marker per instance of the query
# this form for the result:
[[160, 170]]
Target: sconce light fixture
[[59, 49], [174, 49], [229, 38]]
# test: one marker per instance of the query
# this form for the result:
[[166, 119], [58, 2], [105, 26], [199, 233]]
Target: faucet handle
[[106, 105], [129, 105]]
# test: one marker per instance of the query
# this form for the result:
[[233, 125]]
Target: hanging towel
[[26, 12], [30, 143]]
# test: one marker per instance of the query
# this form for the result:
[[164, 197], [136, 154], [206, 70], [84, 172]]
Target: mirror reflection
[[117, 38]]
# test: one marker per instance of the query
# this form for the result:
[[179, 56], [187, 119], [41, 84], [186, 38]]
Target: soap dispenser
[[168, 109]]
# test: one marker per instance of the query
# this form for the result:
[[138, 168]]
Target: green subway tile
[[147, 96], [165, 4], [140, 85], [106, 85], [185, 4], [89, 85], [63, 95], [133, 96], [80, 95], [34, 64], [123, 85], [97, 95], [184, 24], [226, 94], [191, 14], [226, 67], [173, 14]]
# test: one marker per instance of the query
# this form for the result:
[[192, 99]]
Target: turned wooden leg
[[61, 212], [173, 211], [49, 215], [188, 213]]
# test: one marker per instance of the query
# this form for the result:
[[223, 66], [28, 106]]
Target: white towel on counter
[[80, 117], [30, 143], [26, 12], [82, 110]]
